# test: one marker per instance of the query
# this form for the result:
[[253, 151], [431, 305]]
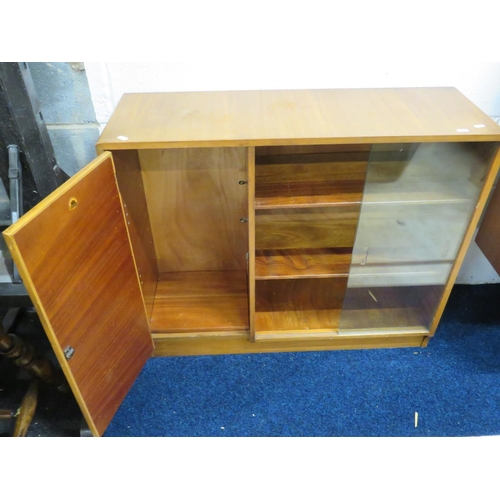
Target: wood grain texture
[[284, 229], [195, 204], [128, 175], [302, 263], [251, 240], [201, 301], [266, 151], [309, 184], [294, 117], [78, 267], [299, 307], [27, 410], [488, 236], [238, 344], [313, 158]]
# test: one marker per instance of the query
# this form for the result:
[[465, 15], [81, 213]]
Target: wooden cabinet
[[259, 221]]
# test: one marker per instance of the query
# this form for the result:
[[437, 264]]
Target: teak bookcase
[[259, 221]]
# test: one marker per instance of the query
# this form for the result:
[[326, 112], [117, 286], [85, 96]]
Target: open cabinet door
[[74, 256]]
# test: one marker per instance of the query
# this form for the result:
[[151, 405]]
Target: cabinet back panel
[[318, 175], [314, 184], [282, 229], [195, 204]]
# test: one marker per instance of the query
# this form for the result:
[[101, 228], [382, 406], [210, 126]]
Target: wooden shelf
[[302, 263], [207, 301], [296, 307], [290, 324], [379, 309], [308, 194]]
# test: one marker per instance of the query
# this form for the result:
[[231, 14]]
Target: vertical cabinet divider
[[251, 240]]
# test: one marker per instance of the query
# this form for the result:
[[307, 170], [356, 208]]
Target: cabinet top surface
[[286, 117]]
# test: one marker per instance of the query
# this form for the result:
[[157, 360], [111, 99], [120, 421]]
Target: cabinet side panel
[[488, 236], [196, 202], [128, 174]]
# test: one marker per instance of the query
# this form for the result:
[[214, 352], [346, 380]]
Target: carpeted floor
[[453, 384]]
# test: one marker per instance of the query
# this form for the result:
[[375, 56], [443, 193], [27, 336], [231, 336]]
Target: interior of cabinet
[[307, 203], [360, 239], [345, 239], [187, 203]]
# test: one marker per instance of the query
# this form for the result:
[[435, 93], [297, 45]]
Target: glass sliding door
[[417, 203]]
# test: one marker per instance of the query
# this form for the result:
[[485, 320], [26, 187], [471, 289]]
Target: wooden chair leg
[[26, 411], [24, 355]]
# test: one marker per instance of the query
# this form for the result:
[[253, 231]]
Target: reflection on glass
[[417, 203]]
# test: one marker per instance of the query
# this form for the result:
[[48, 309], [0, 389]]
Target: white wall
[[478, 81]]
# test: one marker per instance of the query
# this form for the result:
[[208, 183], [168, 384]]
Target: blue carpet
[[453, 384]]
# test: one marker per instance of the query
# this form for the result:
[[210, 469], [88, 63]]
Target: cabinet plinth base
[[238, 343]]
